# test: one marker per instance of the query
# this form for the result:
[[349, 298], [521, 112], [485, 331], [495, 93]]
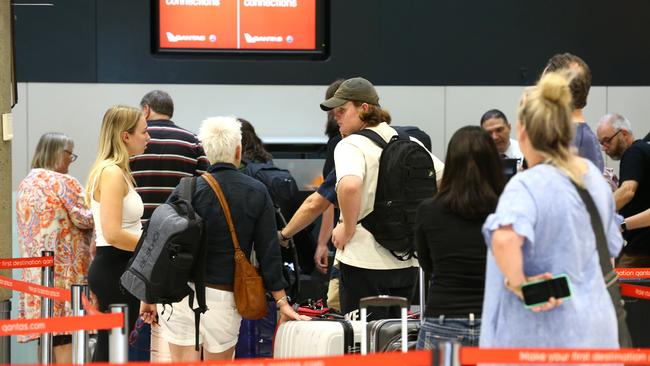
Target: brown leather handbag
[[250, 296]]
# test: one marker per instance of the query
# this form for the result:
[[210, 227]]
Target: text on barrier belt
[[38, 290], [8, 263], [61, 324]]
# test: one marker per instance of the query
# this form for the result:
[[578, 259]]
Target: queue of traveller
[[477, 235]]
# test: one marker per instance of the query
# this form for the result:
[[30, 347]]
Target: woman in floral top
[[51, 215]]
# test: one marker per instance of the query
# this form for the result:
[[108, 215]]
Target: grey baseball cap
[[355, 89]]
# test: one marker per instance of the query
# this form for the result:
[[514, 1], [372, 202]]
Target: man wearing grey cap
[[367, 268]]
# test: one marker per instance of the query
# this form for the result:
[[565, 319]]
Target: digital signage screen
[[240, 26]]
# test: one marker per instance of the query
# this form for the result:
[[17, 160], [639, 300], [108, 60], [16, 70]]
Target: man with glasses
[[633, 194]]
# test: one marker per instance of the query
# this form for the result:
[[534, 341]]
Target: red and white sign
[[237, 24]]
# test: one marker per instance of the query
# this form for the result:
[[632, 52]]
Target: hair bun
[[554, 87]]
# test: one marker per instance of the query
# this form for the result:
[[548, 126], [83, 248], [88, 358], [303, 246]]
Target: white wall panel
[[466, 104], [278, 111], [421, 106], [634, 104]]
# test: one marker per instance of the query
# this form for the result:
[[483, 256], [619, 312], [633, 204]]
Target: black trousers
[[357, 283], [104, 281]]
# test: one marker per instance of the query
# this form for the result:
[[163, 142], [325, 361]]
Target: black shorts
[[60, 340]]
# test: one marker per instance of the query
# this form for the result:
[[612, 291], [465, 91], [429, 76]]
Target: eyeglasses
[[608, 140], [73, 156]]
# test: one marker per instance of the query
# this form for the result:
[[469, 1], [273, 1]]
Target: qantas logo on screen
[[193, 2], [256, 39], [271, 3], [171, 37]]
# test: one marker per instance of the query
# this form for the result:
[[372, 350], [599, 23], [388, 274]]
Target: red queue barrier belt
[[38, 290], [413, 358], [8, 263], [473, 356], [61, 324], [625, 273], [635, 291]]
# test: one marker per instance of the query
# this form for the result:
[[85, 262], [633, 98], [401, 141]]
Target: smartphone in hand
[[538, 292]]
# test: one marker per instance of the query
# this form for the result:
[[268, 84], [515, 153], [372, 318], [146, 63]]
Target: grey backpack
[[170, 253]]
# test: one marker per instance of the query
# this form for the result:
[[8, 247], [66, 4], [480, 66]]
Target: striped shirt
[[171, 154]]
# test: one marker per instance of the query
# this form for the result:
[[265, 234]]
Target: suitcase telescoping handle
[[385, 301]]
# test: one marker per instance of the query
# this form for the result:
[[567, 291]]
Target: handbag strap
[[216, 187], [597, 227]]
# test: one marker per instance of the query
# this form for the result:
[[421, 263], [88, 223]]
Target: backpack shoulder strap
[[252, 167], [373, 136], [187, 187]]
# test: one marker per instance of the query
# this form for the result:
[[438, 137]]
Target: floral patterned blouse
[[51, 215]]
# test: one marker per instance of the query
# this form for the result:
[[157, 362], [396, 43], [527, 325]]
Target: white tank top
[[132, 210]]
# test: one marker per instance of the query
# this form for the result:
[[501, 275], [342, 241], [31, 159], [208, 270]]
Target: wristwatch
[[623, 226]]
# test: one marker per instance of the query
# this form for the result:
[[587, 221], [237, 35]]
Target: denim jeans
[[462, 329]]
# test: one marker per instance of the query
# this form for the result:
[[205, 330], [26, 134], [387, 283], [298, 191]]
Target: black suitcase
[[380, 335], [385, 335]]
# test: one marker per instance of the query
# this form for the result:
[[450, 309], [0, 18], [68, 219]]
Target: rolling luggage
[[377, 335], [318, 337], [385, 335], [327, 337]]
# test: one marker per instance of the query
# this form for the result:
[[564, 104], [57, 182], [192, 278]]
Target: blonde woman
[[542, 228], [117, 210]]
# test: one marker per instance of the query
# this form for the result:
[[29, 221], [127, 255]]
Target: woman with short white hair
[[253, 217]]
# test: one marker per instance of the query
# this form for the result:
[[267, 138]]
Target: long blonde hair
[[112, 150], [545, 112]]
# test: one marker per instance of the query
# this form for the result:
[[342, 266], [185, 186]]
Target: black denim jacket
[[253, 216]]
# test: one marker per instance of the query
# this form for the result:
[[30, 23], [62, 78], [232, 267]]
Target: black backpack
[[279, 182], [406, 177], [416, 132], [171, 252], [283, 190]]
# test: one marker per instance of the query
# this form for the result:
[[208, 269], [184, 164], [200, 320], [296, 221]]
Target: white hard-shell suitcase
[[318, 337]]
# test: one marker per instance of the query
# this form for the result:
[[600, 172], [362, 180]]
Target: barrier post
[[404, 321], [5, 342], [422, 294], [364, 332], [80, 351], [118, 345], [47, 279], [448, 354]]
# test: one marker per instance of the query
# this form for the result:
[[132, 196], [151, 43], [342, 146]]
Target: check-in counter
[[303, 157]]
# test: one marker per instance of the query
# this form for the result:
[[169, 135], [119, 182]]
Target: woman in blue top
[[542, 228]]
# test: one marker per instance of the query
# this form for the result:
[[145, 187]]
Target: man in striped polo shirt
[[171, 154]]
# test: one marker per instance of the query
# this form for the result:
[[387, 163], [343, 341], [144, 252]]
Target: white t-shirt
[[513, 151], [358, 156]]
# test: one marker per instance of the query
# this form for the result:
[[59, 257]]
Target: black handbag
[[610, 276]]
